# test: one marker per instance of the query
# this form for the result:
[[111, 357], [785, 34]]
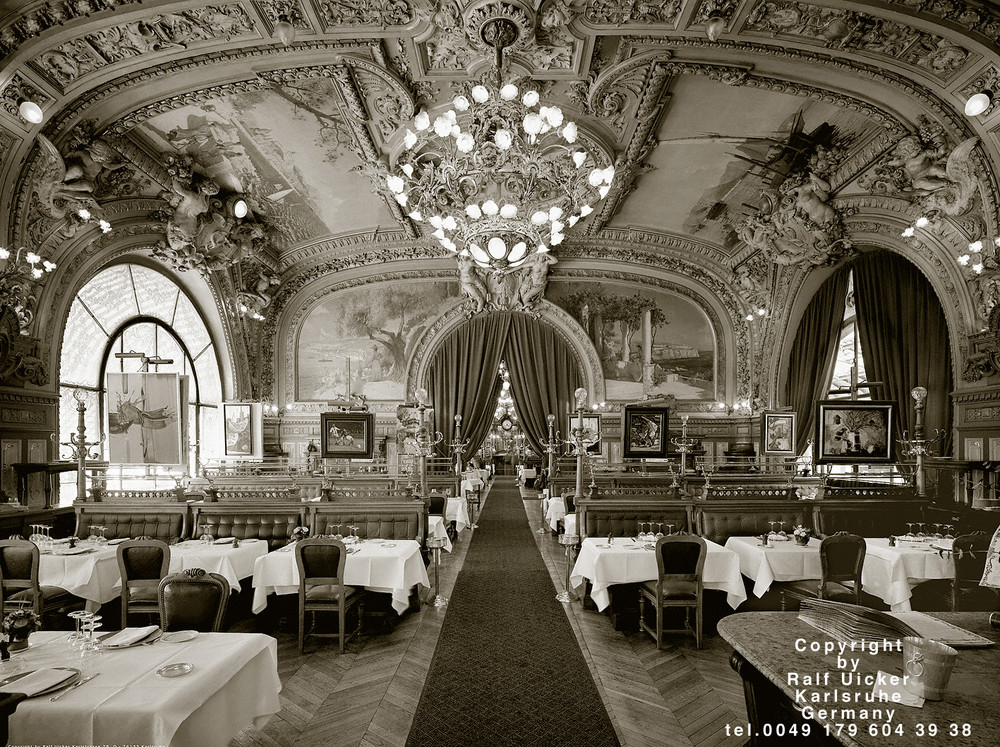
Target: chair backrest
[[681, 557], [970, 557], [193, 600], [842, 556], [143, 560], [321, 561], [435, 504], [18, 567], [570, 500]]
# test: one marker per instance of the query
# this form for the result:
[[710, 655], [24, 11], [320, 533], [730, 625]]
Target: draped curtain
[[903, 336], [463, 378], [544, 374], [810, 362]]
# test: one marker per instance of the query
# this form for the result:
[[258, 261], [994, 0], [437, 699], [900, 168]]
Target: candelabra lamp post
[[577, 440], [435, 544], [568, 541], [79, 445], [551, 445], [457, 447], [918, 446], [425, 441], [684, 444]]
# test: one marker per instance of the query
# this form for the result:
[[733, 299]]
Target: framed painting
[[854, 432], [777, 433], [241, 423], [645, 432], [145, 418], [591, 431], [348, 435]]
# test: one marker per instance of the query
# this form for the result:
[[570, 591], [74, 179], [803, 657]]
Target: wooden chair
[[321, 562], [193, 600], [19, 585], [680, 564], [842, 556], [969, 552], [142, 564]]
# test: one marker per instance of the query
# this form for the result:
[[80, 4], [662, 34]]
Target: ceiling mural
[[746, 137]]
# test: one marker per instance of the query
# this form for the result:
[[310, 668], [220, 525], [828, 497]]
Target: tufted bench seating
[[720, 521], [868, 518], [167, 522], [397, 520], [620, 518], [274, 523]]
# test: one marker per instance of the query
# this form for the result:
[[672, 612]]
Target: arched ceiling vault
[[705, 105]]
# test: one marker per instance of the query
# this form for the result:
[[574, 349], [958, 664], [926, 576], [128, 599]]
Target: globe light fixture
[[30, 112], [499, 175], [978, 103]]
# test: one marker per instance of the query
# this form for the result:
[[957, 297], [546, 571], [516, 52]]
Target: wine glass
[[354, 531], [102, 541], [949, 531], [781, 529], [92, 537], [910, 533], [670, 529], [206, 534], [338, 535], [77, 635], [920, 529], [659, 529], [772, 523]]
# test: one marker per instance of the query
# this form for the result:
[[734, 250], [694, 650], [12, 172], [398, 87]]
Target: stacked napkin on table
[[129, 636], [39, 681]]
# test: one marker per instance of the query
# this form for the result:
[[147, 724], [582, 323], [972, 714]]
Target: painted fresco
[[683, 351], [287, 149], [358, 341]]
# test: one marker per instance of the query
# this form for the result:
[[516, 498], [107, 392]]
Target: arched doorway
[[463, 376]]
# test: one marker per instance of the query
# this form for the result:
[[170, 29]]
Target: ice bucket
[[927, 665]]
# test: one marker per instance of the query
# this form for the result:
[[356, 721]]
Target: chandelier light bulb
[[480, 94], [32, 259], [461, 103], [508, 211], [975, 247], [978, 269], [465, 142], [84, 214], [503, 139], [422, 121], [508, 92], [579, 157], [497, 248], [922, 222], [963, 259], [490, 208], [473, 212], [4, 253], [37, 272], [908, 232], [540, 218]]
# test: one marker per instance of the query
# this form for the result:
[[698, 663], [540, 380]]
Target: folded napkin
[[128, 636], [118, 541], [39, 681], [223, 541], [61, 541]]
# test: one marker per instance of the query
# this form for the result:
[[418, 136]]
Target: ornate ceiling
[[754, 140]]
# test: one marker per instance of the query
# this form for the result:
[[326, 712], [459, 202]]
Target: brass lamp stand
[[569, 541], [435, 544]]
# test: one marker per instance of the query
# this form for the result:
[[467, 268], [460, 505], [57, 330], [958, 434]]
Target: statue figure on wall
[[923, 167], [199, 235], [64, 188], [472, 285], [534, 278], [257, 294]]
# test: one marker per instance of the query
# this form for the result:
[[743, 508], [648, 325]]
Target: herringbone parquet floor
[[674, 697]]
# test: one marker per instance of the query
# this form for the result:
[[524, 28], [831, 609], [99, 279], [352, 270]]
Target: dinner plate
[[179, 636], [604, 547], [388, 544], [175, 670], [72, 550], [72, 677]]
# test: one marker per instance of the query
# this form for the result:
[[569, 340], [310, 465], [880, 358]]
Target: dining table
[[436, 528], [393, 566], [88, 571], [219, 556], [890, 572], [456, 509], [628, 561], [228, 682]]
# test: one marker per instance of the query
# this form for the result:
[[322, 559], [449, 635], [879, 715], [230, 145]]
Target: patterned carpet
[[507, 669]]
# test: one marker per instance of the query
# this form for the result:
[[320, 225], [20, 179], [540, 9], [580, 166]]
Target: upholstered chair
[[19, 582], [321, 562], [680, 564], [142, 563], [193, 600]]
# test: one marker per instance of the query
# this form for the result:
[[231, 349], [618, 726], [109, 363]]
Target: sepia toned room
[[499, 372]]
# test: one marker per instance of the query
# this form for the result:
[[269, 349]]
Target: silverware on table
[[75, 685]]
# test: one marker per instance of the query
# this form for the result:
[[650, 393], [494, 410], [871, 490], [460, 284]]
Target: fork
[[75, 685]]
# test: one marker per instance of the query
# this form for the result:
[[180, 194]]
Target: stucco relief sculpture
[[257, 294], [511, 289], [923, 167], [199, 234]]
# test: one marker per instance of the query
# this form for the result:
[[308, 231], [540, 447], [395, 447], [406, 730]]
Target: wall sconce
[[978, 103], [30, 111], [284, 30]]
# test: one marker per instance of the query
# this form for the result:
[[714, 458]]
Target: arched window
[[134, 309]]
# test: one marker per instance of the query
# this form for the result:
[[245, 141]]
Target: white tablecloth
[[436, 528], [234, 685], [890, 573], [92, 576], [377, 567], [457, 510], [476, 474], [232, 562], [780, 561], [554, 511], [626, 561]]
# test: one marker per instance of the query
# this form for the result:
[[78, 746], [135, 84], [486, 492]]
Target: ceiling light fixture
[[284, 30], [978, 103], [714, 27], [239, 207], [30, 111], [499, 175]]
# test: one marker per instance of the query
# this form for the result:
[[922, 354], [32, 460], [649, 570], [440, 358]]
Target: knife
[[75, 685]]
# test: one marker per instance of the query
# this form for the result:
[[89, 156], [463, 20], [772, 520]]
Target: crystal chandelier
[[497, 176], [19, 273]]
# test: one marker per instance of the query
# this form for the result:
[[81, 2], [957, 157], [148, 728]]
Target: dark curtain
[[813, 353], [463, 379], [903, 336], [544, 373]]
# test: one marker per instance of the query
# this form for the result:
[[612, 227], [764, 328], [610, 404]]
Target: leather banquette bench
[[271, 522], [399, 520], [167, 521], [724, 519], [620, 518]]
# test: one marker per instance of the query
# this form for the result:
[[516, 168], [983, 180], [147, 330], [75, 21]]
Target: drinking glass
[[90, 658], [781, 529], [670, 529], [102, 541], [92, 537], [920, 529], [338, 535], [910, 532], [206, 535], [772, 523], [77, 635], [949, 531], [659, 530], [354, 531]]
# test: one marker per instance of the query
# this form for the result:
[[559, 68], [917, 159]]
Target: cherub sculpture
[[472, 286], [534, 279], [257, 295], [60, 187]]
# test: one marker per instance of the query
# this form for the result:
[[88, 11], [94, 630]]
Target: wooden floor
[[368, 695]]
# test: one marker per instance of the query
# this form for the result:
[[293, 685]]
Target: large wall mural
[[357, 342], [679, 358]]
